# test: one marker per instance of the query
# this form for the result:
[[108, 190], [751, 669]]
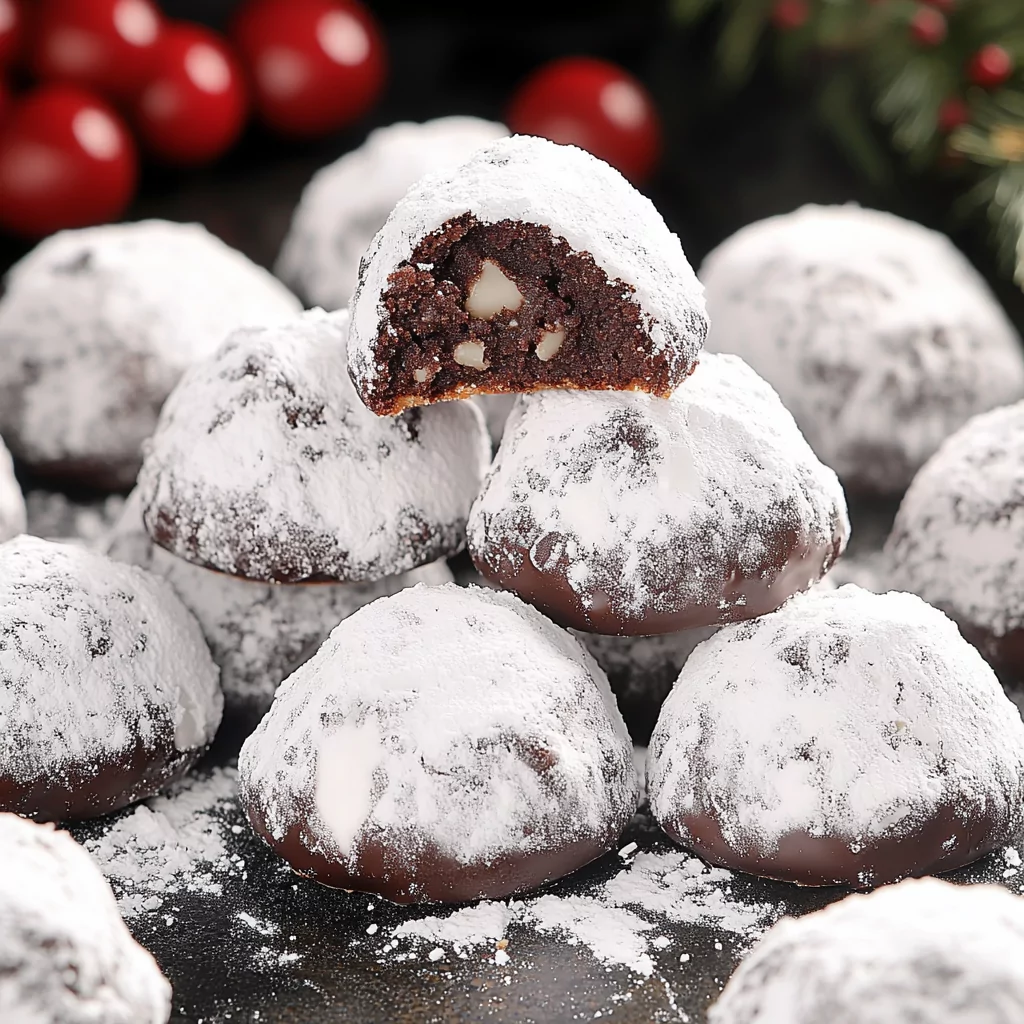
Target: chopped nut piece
[[549, 344], [471, 354], [492, 292]]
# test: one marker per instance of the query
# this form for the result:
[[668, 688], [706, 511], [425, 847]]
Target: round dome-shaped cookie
[[958, 538], [444, 744], [96, 327], [266, 465], [258, 633], [66, 955], [108, 691], [530, 266], [621, 513], [849, 738], [878, 334], [347, 202], [924, 951]]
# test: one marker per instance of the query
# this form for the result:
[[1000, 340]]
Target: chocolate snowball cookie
[[923, 951], [266, 465], [108, 689], [847, 739], [258, 633], [530, 266], [96, 327], [65, 953], [444, 744], [13, 513], [625, 514], [958, 538], [347, 202], [877, 333]]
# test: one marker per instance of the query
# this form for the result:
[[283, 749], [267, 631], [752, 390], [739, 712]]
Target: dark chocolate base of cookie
[[946, 840], [76, 792], [1004, 653], [794, 563], [432, 876], [604, 344]]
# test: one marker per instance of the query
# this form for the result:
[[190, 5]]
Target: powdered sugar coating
[[843, 714], [13, 514], [469, 724], [878, 334], [98, 324], [65, 955], [650, 505], [958, 538], [924, 951], [580, 198], [258, 633], [266, 465], [347, 202], [99, 661]]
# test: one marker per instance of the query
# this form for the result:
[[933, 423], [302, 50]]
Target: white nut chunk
[[471, 354], [492, 292], [549, 344]]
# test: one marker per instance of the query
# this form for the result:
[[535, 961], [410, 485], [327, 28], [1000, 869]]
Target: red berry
[[928, 26], [12, 26], [66, 160], [990, 67], [788, 15], [314, 65], [106, 45], [592, 104], [952, 113], [193, 107]]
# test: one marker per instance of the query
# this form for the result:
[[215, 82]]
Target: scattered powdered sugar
[[793, 723], [650, 504], [347, 202], [266, 465], [529, 715], [98, 659], [580, 198], [97, 325], [258, 632], [923, 951], [65, 951], [171, 844], [880, 347], [620, 920], [958, 538]]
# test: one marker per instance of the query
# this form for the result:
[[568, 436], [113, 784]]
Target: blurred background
[[724, 111]]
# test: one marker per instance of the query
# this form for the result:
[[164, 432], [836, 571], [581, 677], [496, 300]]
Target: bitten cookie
[[847, 739], [347, 202], [444, 744], [877, 333], [258, 633], [266, 465], [96, 327], [627, 514], [66, 955], [924, 951], [530, 266], [958, 538], [108, 689]]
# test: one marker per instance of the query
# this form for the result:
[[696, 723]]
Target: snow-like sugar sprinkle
[[652, 501], [579, 197], [268, 465], [880, 346], [958, 538], [347, 202], [174, 843], [798, 726], [455, 717]]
